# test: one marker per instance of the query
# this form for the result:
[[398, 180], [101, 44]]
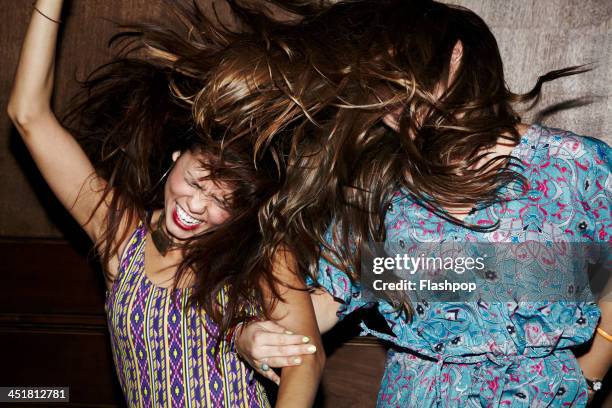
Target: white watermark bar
[[35, 394]]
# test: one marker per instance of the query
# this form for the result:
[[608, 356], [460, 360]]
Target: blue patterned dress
[[514, 354]]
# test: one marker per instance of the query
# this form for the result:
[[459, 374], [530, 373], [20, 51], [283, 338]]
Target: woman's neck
[[164, 243]]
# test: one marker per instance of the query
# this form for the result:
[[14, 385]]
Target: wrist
[[50, 10], [593, 384], [234, 333]]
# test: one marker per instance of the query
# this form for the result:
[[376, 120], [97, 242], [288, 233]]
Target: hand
[[267, 342]]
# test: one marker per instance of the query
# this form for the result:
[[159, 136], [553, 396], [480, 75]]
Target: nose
[[197, 203]]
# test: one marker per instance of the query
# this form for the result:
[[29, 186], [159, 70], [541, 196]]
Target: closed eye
[[193, 184], [222, 203]]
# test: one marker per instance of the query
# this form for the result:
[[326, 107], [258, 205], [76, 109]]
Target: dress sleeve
[[339, 285], [598, 187], [597, 201]]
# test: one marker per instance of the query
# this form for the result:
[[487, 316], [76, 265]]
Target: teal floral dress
[[510, 353]]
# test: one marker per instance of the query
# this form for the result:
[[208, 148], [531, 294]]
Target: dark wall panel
[[27, 207]]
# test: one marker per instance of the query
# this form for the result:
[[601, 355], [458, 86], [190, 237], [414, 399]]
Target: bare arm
[[596, 362], [326, 309], [295, 312], [58, 156], [259, 342]]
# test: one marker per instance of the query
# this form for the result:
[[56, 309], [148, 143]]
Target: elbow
[[12, 112], [24, 117]]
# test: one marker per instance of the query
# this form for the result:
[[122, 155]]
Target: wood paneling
[[53, 332], [536, 36], [52, 324], [352, 374], [51, 277], [27, 208], [61, 357]]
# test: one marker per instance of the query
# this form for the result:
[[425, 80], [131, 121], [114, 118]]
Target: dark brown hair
[[307, 93], [131, 114], [391, 57], [321, 84]]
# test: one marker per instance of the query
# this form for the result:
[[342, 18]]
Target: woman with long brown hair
[[410, 138], [173, 211]]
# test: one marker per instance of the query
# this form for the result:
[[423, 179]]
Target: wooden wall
[[52, 326], [534, 36]]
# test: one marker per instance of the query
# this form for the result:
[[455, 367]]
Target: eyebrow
[[190, 178], [214, 196]]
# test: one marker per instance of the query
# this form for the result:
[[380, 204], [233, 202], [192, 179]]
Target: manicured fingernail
[[297, 360], [312, 349], [277, 382], [305, 339], [288, 332]]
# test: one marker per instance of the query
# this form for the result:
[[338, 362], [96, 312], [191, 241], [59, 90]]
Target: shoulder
[[565, 144], [130, 234]]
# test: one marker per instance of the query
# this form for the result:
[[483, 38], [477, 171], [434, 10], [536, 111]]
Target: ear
[[175, 155], [455, 60]]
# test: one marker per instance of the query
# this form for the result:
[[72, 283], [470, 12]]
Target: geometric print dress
[[497, 353], [164, 351]]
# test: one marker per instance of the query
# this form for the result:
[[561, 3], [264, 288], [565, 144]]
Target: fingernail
[[277, 382], [288, 332], [297, 360], [305, 339], [312, 348]]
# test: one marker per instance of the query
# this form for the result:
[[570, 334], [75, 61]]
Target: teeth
[[186, 218]]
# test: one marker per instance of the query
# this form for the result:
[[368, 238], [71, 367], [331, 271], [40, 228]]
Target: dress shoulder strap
[[133, 244]]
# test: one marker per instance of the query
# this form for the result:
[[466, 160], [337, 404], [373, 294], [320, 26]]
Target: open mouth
[[184, 220]]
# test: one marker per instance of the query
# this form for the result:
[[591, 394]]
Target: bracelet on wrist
[[603, 333], [46, 16], [594, 384], [230, 336]]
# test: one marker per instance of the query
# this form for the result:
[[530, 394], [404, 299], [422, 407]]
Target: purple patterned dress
[[164, 352], [506, 353]]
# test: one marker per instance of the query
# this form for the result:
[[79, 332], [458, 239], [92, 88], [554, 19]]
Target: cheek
[[176, 186], [217, 215]]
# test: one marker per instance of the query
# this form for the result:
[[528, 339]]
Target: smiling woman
[[194, 202], [173, 211]]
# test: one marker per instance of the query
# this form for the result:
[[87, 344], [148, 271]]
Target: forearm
[[326, 309], [596, 362], [299, 384], [34, 78], [294, 311]]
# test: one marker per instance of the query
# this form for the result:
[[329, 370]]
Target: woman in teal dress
[[508, 353], [442, 156]]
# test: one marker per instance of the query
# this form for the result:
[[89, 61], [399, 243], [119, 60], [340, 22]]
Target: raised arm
[[58, 156], [299, 383]]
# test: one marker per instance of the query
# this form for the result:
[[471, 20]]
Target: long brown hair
[[131, 115], [321, 85], [390, 57], [308, 95]]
